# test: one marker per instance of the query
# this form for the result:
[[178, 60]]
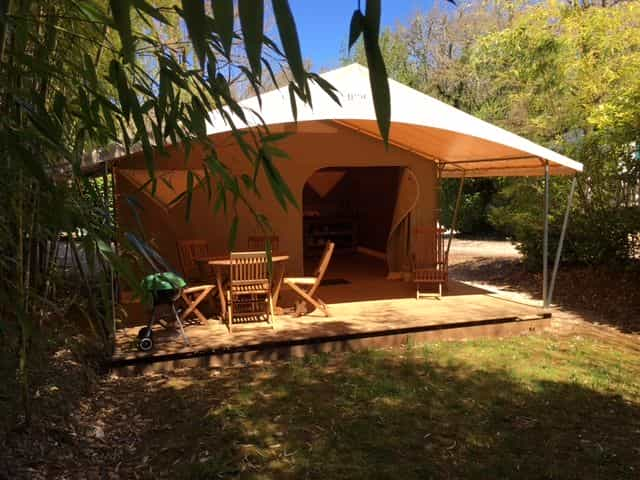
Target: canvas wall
[[313, 147]]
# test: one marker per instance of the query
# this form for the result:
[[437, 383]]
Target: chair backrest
[[188, 251], [257, 243], [428, 247], [248, 268], [322, 266]]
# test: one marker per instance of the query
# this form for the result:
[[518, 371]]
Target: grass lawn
[[527, 407]]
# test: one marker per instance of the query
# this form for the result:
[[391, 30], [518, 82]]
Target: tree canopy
[[564, 74]]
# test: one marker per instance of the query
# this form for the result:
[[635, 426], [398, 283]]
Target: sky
[[323, 25]]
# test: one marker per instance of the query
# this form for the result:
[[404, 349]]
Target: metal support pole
[[545, 239], [565, 222], [454, 220]]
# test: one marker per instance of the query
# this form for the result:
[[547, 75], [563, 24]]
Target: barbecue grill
[[164, 288]]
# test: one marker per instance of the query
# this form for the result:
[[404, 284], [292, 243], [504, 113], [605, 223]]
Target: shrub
[[602, 237]]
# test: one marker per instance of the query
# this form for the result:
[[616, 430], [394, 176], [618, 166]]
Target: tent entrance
[[354, 207]]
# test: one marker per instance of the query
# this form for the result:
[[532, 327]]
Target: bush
[[604, 237], [476, 200]]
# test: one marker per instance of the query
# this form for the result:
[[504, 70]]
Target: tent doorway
[[356, 208]]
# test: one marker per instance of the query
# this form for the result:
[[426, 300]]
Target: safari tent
[[349, 187]]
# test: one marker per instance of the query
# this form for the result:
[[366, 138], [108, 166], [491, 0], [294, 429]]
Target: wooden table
[[221, 266]]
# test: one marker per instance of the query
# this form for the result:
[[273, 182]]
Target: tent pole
[[545, 239], [454, 220], [565, 222]]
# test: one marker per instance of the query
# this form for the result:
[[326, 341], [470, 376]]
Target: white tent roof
[[462, 143]]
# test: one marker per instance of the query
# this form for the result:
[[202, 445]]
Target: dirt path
[[590, 302], [465, 250]]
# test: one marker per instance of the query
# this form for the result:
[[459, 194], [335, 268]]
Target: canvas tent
[[419, 124], [336, 161]]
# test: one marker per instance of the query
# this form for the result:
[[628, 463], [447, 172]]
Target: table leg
[[223, 301], [277, 285]]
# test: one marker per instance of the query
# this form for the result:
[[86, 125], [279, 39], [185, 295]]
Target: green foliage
[[567, 77], [562, 74], [80, 75], [368, 25], [477, 195]]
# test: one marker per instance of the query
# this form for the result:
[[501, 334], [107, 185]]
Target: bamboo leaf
[[378, 78], [254, 84], [276, 137], [278, 185], [90, 68], [252, 24], [372, 17], [119, 79], [221, 200], [292, 99], [195, 19], [326, 86], [275, 151], [223, 21], [59, 105], [121, 11], [289, 39], [91, 10], [145, 7], [189, 193], [198, 117], [270, 71], [355, 29]]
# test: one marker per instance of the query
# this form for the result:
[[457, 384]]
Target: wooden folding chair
[[249, 293], [188, 251], [306, 287], [193, 296], [258, 243], [429, 260]]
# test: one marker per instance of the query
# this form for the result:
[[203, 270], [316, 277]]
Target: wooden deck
[[368, 311]]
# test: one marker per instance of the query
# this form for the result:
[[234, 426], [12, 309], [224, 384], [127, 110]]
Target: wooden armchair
[[306, 287], [429, 260], [204, 289], [258, 243], [188, 251], [249, 293]]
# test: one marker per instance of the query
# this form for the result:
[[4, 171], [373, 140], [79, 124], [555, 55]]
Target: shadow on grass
[[501, 411]]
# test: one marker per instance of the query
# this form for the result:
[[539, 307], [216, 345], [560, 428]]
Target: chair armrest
[[198, 288]]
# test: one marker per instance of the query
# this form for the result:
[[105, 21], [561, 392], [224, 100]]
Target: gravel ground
[[464, 250], [593, 301]]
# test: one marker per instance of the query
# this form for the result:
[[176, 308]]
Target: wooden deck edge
[[285, 349]]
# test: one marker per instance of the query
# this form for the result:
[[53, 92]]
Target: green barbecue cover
[[163, 281]]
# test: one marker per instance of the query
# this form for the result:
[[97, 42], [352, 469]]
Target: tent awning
[[461, 143]]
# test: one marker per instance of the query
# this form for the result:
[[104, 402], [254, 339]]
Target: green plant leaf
[[292, 99], [118, 78], [326, 86], [378, 79], [189, 194], [355, 29], [92, 11], [90, 68], [372, 17], [289, 39], [195, 19], [223, 21], [252, 24], [121, 11], [150, 10]]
